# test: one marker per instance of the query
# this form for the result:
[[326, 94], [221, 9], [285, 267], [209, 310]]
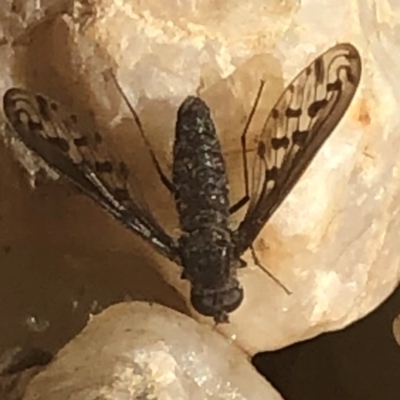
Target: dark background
[[359, 362]]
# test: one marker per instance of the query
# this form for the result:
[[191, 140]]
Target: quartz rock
[[137, 350], [333, 242]]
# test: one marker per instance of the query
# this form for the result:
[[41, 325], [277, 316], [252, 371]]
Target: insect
[[208, 250]]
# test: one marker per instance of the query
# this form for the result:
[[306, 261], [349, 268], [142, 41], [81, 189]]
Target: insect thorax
[[209, 263]]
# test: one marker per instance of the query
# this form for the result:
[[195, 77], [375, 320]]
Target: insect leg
[[238, 205], [263, 268], [164, 179]]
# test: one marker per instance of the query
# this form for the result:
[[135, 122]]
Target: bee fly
[[208, 250]]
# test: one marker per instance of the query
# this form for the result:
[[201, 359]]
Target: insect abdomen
[[199, 172]]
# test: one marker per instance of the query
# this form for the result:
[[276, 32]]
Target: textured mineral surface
[[142, 351], [333, 242]]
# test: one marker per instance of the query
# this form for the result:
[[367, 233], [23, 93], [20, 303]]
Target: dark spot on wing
[[300, 137], [103, 167], [43, 107], [319, 70], [292, 113], [316, 106], [61, 143], [271, 174], [274, 113], [54, 106], [278, 143], [334, 86], [74, 118], [81, 141], [261, 149]]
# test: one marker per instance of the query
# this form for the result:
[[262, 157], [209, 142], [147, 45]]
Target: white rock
[[334, 241], [137, 350]]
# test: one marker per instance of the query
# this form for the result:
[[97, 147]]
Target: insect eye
[[217, 303]]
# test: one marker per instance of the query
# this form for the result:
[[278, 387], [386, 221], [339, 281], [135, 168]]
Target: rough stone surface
[[142, 351], [334, 240]]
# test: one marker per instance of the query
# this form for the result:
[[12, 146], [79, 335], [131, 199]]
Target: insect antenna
[[238, 205], [164, 179], [265, 270]]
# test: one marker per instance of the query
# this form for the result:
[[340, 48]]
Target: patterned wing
[[53, 135], [304, 116]]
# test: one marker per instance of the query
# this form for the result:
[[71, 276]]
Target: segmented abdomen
[[199, 172]]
